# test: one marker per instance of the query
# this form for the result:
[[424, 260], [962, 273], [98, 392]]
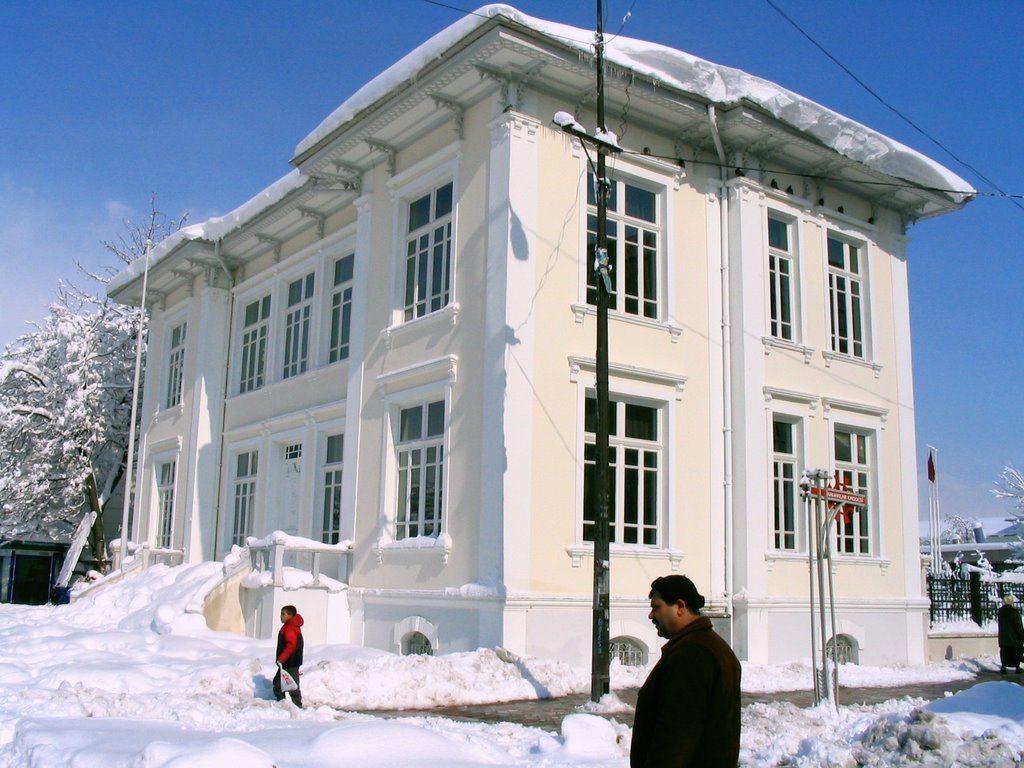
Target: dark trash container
[[60, 595]]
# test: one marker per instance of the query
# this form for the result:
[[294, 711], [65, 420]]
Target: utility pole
[[600, 658], [604, 144]]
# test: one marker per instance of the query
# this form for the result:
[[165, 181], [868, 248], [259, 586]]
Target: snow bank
[[116, 679]]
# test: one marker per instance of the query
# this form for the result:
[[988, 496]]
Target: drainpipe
[[727, 489]]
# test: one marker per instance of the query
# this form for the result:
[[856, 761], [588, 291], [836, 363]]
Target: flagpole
[[933, 511]]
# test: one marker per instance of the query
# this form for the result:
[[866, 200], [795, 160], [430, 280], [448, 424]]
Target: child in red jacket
[[289, 653]]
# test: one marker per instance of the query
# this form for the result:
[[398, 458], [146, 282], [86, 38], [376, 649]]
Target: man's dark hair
[[290, 610], [677, 587]]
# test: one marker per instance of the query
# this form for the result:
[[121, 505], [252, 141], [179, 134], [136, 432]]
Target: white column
[[209, 345], [508, 352]]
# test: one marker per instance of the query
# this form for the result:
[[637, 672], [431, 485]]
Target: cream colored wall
[[433, 337], [557, 407]]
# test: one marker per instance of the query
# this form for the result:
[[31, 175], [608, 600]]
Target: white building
[[393, 346]]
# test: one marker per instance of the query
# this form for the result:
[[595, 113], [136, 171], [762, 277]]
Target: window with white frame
[[244, 496], [341, 309], [846, 297], [330, 532], [419, 457], [635, 474], [781, 271], [297, 320], [853, 470], [428, 253], [628, 650], [255, 330], [175, 366], [165, 473], [785, 479], [634, 246]]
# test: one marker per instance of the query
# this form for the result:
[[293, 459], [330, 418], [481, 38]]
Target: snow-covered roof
[[720, 85], [214, 228]]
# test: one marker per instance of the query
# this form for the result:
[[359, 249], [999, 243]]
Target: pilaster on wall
[[203, 443], [508, 350], [747, 312], [356, 369]]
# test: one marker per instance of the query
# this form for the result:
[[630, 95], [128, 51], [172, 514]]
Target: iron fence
[[974, 598]]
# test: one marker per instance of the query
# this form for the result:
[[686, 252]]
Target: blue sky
[[103, 104]]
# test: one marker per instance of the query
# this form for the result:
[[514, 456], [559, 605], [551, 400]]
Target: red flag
[[931, 468]]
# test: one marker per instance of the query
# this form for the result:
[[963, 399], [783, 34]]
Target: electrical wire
[[999, 193], [891, 108], [820, 177]]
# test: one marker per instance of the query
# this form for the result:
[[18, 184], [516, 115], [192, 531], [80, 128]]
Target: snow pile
[[128, 676]]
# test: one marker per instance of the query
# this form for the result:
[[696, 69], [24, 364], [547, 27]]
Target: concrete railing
[[277, 551]]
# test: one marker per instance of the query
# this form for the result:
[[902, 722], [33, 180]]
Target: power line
[[819, 177], [890, 107], [999, 193]]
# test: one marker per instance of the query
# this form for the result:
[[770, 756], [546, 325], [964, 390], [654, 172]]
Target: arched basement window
[[629, 652], [416, 644]]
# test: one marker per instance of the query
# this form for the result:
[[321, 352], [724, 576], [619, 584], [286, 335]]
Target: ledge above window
[[770, 343], [580, 311], [441, 545], [578, 551], [832, 356], [628, 372], [449, 312]]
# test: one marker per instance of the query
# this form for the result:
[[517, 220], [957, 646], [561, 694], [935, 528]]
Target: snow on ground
[[128, 676]]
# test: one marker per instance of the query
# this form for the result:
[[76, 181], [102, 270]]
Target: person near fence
[[289, 653], [1011, 635]]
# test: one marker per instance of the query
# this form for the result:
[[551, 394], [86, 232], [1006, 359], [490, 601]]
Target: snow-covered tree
[[957, 530], [1011, 487], [65, 406], [65, 400]]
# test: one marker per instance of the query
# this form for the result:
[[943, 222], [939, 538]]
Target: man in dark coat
[[688, 710], [1011, 635], [289, 652]]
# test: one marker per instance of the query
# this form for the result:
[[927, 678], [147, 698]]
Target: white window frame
[[297, 322], [776, 287], [424, 382], [411, 459], [430, 289], [796, 459], [619, 445], [175, 382], [847, 292], [338, 310], [619, 222], [254, 342], [165, 487], [405, 187], [244, 490], [331, 488], [648, 387], [850, 540]]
